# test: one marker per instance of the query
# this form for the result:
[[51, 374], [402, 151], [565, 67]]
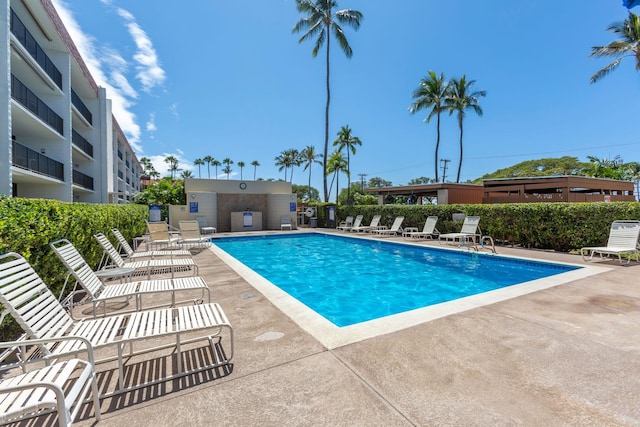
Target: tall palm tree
[[186, 174], [255, 165], [293, 156], [628, 45], [285, 161], [335, 165], [241, 164], [199, 162], [309, 157], [320, 21], [348, 141], [173, 165], [431, 93], [209, 161], [216, 163], [227, 166], [462, 97]]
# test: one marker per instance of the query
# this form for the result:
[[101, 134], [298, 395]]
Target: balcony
[[82, 180], [25, 38], [31, 102], [26, 158], [84, 145], [82, 109]]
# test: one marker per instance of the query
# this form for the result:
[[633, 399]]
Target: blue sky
[[229, 79]]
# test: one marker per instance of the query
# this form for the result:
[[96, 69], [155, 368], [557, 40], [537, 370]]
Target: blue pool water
[[349, 280]]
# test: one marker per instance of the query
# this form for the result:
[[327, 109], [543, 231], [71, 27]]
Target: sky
[[229, 79]]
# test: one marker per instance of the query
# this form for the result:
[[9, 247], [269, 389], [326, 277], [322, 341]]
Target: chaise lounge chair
[[373, 225], [99, 293], [112, 258], [190, 234], [468, 233], [129, 253], [429, 230], [29, 301], [205, 228], [285, 223], [623, 239], [347, 223], [356, 223], [159, 235], [395, 229], [58, 387]]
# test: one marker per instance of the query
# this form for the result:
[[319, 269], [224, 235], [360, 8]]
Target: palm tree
[[186, 174], [199, 162], [628, 45], [255, 165], [461, 97], [346, 140], [335, 165], [284, 161], [216, 163], [209, 161], [320, 21], [173, 165], [227, 166], [293, 156], [308, 156], [241, 165], [431, 93]]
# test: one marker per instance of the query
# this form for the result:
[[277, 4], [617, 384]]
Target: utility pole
[[362, 178], [444, 168]]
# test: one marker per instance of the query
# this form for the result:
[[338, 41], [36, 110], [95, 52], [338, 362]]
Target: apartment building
[[59, 139]]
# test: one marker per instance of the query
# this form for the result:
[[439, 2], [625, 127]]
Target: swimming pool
[[349, 281]]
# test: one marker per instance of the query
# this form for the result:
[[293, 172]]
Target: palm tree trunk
[[254, 172], [326, 124], [460, 161], [348, 177], [337, 185], [309, 187], [437, 145]]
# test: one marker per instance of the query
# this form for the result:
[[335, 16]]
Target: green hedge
[[558, 226], [27, 226]]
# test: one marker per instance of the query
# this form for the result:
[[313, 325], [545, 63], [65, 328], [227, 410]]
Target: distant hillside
[[566, 165]]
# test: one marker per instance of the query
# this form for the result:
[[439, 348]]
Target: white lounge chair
[[29, 301], [190, 234], [429, 230], [396, 228], [356, 223], [112, 258], [59, 387], [99, 293], [129, 253], [373, 225], [468, 233], [623, 240], [285, 222], [205, 228], [347, 223], [159, 235]]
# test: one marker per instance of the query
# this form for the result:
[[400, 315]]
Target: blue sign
[[292, 206], [155, 213], [193, 207]]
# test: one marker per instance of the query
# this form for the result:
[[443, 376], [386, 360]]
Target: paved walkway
[[564, 356]]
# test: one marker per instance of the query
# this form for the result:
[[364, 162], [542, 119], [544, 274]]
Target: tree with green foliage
[[431, 93], [462, 97], [186, 174], [349, 142], [241, 165], [199, 162], [627, 46], [309, 157], [172, 161], [166, 191], [336, 164], [216, 163], [565, 165], [422, 180], [227, 166], [320, 21], [377, 182], [255, 165], [209, 162], [305, 193]]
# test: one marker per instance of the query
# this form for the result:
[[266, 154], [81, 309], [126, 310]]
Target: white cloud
[[151, 123], [150, 74], [174, 111], [163, 167]]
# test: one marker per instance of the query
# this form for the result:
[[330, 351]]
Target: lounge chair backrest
[[470, 225], [397, 223], [375, 221], [348, 221], [78, 267], [358, 221], [624, 234], [285, 219], [430, 225], [110, 250], [202, 221], [158, 231], [24, 295], [122, 242], [190, 230]]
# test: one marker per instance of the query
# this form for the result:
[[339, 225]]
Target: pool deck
[[563, 356]]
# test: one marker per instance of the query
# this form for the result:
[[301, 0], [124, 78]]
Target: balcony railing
[[82, 180], [79, 141], [29, 159], [77, 102], [120, 154], [30, 101], [25, 38]]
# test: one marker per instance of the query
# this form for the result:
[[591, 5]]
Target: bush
[[27, 226]]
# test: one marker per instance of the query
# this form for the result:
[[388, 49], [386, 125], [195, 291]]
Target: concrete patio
[[564, 356]]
